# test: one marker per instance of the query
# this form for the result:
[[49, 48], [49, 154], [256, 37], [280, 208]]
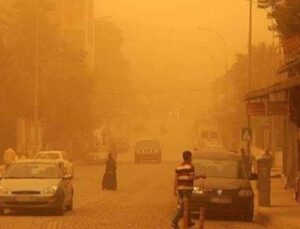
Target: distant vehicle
[[99, 156], [121, 145], [208, 135], [147, 150], [212, 145], [59, 156], [36, 184], [95, 158], [227, 190]]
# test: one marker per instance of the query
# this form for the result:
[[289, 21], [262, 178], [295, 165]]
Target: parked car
[[98, 156], [95, 158], [36, 184], [212, 145], [227, 190], [147, 150], [122, 145], [59, 156]]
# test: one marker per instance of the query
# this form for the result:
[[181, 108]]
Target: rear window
[[214, 135], [219, 168], [147, 144], [52, 156], [204, 134]]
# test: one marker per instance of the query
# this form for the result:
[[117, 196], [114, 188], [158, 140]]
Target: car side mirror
[[253, 176], [67, 177]]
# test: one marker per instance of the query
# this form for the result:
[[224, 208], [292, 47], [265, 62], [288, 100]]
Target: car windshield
[[32, 170], [213, 135], [53, 156], [147, 144], [204, 134], [219, 168]]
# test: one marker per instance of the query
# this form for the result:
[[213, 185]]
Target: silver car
[[36, 184]]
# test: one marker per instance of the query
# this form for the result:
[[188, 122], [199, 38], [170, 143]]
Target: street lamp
[[36, 77], [223, 42]]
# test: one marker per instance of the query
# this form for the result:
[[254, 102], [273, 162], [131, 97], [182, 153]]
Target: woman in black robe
[[109, 181]]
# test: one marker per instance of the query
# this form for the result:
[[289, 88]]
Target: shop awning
[[281, 86], [289, 65]]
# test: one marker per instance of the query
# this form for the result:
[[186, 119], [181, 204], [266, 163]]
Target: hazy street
[[144, 201]]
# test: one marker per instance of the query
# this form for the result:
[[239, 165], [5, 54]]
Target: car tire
[[60, 210], [159, 159], [70, 206], [248, 216], [136, 159]]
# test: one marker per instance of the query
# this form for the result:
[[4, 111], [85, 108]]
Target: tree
[[112, 87], [286, 15], [229, 91], [64, 79]]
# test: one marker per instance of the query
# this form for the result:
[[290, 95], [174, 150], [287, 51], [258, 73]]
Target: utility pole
[[62, 18], [36, 77], [250, 67], [250, 45]]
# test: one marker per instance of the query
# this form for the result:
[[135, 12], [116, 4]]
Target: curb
[[268, 220]]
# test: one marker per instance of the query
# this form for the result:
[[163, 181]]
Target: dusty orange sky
[[162, 34]]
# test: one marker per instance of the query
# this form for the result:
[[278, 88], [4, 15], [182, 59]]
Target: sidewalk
[[284, 212]]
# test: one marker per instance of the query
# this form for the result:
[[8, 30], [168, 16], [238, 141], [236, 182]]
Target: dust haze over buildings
[[152, 63], [168, 52], [164, 34]]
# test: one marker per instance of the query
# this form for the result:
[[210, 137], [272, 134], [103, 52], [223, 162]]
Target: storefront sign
[[257, 108], [277, 108]]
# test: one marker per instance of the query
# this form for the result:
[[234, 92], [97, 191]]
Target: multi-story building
[[75, 20]]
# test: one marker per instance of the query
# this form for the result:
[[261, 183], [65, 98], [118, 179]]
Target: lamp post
[[36, 79], [249, 67], [223, 42]]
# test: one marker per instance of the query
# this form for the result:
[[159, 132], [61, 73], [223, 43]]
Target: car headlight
[[4, 191], [197, 190], [50, 190], [245, 193]]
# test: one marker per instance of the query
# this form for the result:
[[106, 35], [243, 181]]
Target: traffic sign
[[246, 134]]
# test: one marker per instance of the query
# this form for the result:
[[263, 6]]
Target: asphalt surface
[[144, 200]]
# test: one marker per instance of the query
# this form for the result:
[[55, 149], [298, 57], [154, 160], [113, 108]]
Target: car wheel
[[70, 206], [159, 159], [60, 210], [248, 216], [136, 159]]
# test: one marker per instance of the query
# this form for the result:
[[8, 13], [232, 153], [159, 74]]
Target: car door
[[68, 164], [67, 185]]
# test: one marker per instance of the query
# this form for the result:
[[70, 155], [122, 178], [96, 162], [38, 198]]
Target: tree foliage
[[286, 15], [229, 91], [112, 86], [64, 80]]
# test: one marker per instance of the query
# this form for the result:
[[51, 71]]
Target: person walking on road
[[109, 181], [267, 155], [184, 185], [248, 160], [8, 157]]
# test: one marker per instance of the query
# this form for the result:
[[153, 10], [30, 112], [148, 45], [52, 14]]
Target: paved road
[[143, 201]]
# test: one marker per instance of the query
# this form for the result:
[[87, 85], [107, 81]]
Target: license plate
[[24, 198], [220, 200]]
